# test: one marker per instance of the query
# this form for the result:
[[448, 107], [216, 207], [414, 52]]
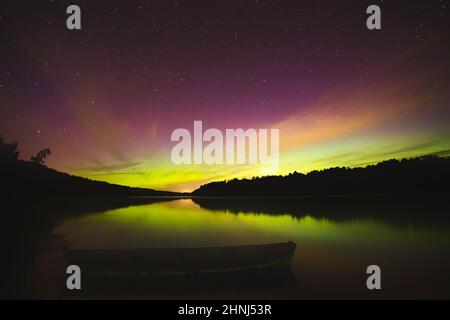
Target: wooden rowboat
[[180, 260]]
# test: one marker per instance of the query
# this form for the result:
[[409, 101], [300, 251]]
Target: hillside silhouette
[[33, 179], [35, 198], [427, 174]]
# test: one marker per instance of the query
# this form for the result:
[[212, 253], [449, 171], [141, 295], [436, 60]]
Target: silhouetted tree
[[8, 152], [39, 158]]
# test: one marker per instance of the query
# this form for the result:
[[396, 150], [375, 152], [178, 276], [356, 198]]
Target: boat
[[123, 273], [180, 260]]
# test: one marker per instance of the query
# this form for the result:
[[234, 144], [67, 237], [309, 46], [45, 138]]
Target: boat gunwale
[[115, 251]]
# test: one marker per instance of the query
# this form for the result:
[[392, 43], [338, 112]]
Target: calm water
[[331, 256]]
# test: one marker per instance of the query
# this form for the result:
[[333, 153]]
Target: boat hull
[[156, 272], [180, 260]]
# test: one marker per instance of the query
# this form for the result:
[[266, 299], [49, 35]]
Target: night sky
[[106, 98]]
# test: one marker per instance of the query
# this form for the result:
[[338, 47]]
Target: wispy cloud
[[109, 168]]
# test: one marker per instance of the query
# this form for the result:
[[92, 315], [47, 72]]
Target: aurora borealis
[[106, 98]]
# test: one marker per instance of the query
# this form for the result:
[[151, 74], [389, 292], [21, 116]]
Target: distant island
[[426, 174]]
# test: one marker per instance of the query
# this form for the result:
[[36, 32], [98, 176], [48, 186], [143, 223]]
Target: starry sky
[[105, 99]]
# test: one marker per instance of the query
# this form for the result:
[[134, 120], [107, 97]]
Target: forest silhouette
[[425, 174], [34, 179]]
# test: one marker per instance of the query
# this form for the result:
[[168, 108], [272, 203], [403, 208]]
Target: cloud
[[110, 168]]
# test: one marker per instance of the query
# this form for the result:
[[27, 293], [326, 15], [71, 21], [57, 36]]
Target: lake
[[330, 260]]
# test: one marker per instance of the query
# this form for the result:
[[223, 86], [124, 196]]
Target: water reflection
[[331, 254]]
